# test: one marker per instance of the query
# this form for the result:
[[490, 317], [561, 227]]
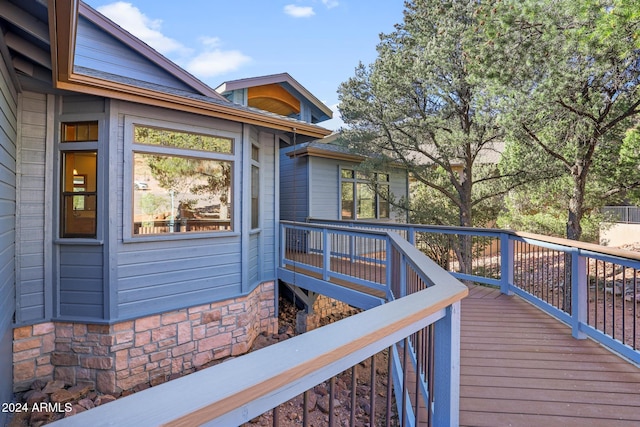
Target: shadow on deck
[[521, 367]]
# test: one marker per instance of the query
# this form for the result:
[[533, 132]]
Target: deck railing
[[622, 214], [418, 338], [592, 288]]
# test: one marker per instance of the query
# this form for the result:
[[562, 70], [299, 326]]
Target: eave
[[63, 16], [274, 79], [318, 152]]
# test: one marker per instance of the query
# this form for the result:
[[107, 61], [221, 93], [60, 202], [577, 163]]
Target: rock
[[78, 391], [36, 397], [78, 408], [86, 403], [61, 396], [38, 385], [323, 404], [53, 386], [40, 418], [313, 401], [101, 400]]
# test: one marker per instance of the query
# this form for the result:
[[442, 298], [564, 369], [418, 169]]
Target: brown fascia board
[[271, 79], [62, 23], [327, 154]]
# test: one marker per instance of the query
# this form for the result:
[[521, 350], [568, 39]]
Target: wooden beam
[[29, 50], [24, 21]]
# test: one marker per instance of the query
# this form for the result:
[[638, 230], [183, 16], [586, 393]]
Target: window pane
[[79, 201], [79, 131], [383, 201], [180, 194], [362, 175], [383, 177], [255, 153], [347, 200], [366, 202], [186, 140], [347, 173], [255, 196]]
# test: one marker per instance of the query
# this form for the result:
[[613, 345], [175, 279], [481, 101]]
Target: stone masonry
[[323, 308], [144, 351]]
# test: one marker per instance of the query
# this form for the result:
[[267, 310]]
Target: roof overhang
[[275, 79], [63, 18], [327, 154]]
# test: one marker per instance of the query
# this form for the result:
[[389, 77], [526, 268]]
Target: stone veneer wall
[[144, 351], [325, 306]]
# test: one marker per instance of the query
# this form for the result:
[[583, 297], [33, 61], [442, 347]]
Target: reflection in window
[[370, 194], [184, 140], [180, 194], [79, 181], [255, 187]]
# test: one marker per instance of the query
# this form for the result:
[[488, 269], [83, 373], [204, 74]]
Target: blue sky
[[318, 42]]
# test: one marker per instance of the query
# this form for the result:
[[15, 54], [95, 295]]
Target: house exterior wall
[[294, 187], [8, 138], [33, 288], [324, 187], [98, 50], [92, 295]]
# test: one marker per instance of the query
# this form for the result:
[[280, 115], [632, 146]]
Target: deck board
[[521, 367]]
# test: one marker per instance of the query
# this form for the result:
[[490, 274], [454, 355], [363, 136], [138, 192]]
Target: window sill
[[178, 236], [78, 241]]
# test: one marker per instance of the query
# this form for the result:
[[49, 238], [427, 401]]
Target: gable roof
[[271, 83], [39, 45]]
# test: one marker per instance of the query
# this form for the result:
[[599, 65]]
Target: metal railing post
[[283, 244], [326, 261], [507, 259], [446, 399], [579, 293]]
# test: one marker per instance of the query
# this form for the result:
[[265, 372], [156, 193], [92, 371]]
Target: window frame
[[131, 148], [356, 179], [255, 223], [83, 145]]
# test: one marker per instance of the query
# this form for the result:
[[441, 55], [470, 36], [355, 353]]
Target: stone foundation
[[324, 308], [146, 351]]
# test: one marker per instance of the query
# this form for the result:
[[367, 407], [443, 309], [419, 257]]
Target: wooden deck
[[521, 367]]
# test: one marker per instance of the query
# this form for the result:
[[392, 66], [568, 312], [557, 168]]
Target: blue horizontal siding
[[98, 50], [81, 281]]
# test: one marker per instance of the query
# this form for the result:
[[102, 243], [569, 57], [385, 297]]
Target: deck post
[[446, 399], [283, 244], [507, 258], [326, 264], [579, 293]]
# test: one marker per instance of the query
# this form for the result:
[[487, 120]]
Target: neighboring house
[[621, 226], [139, 208], [326, 183]]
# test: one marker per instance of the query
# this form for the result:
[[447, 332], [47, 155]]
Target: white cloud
[[140, 25], [207, 61], [214, 61], [299, 11], [330, 3]]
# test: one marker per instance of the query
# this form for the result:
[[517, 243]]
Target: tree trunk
[[576, 203]]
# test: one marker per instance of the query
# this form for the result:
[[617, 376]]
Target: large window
[[364, 196], [255, 187], [182, 182], [78, 179]]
